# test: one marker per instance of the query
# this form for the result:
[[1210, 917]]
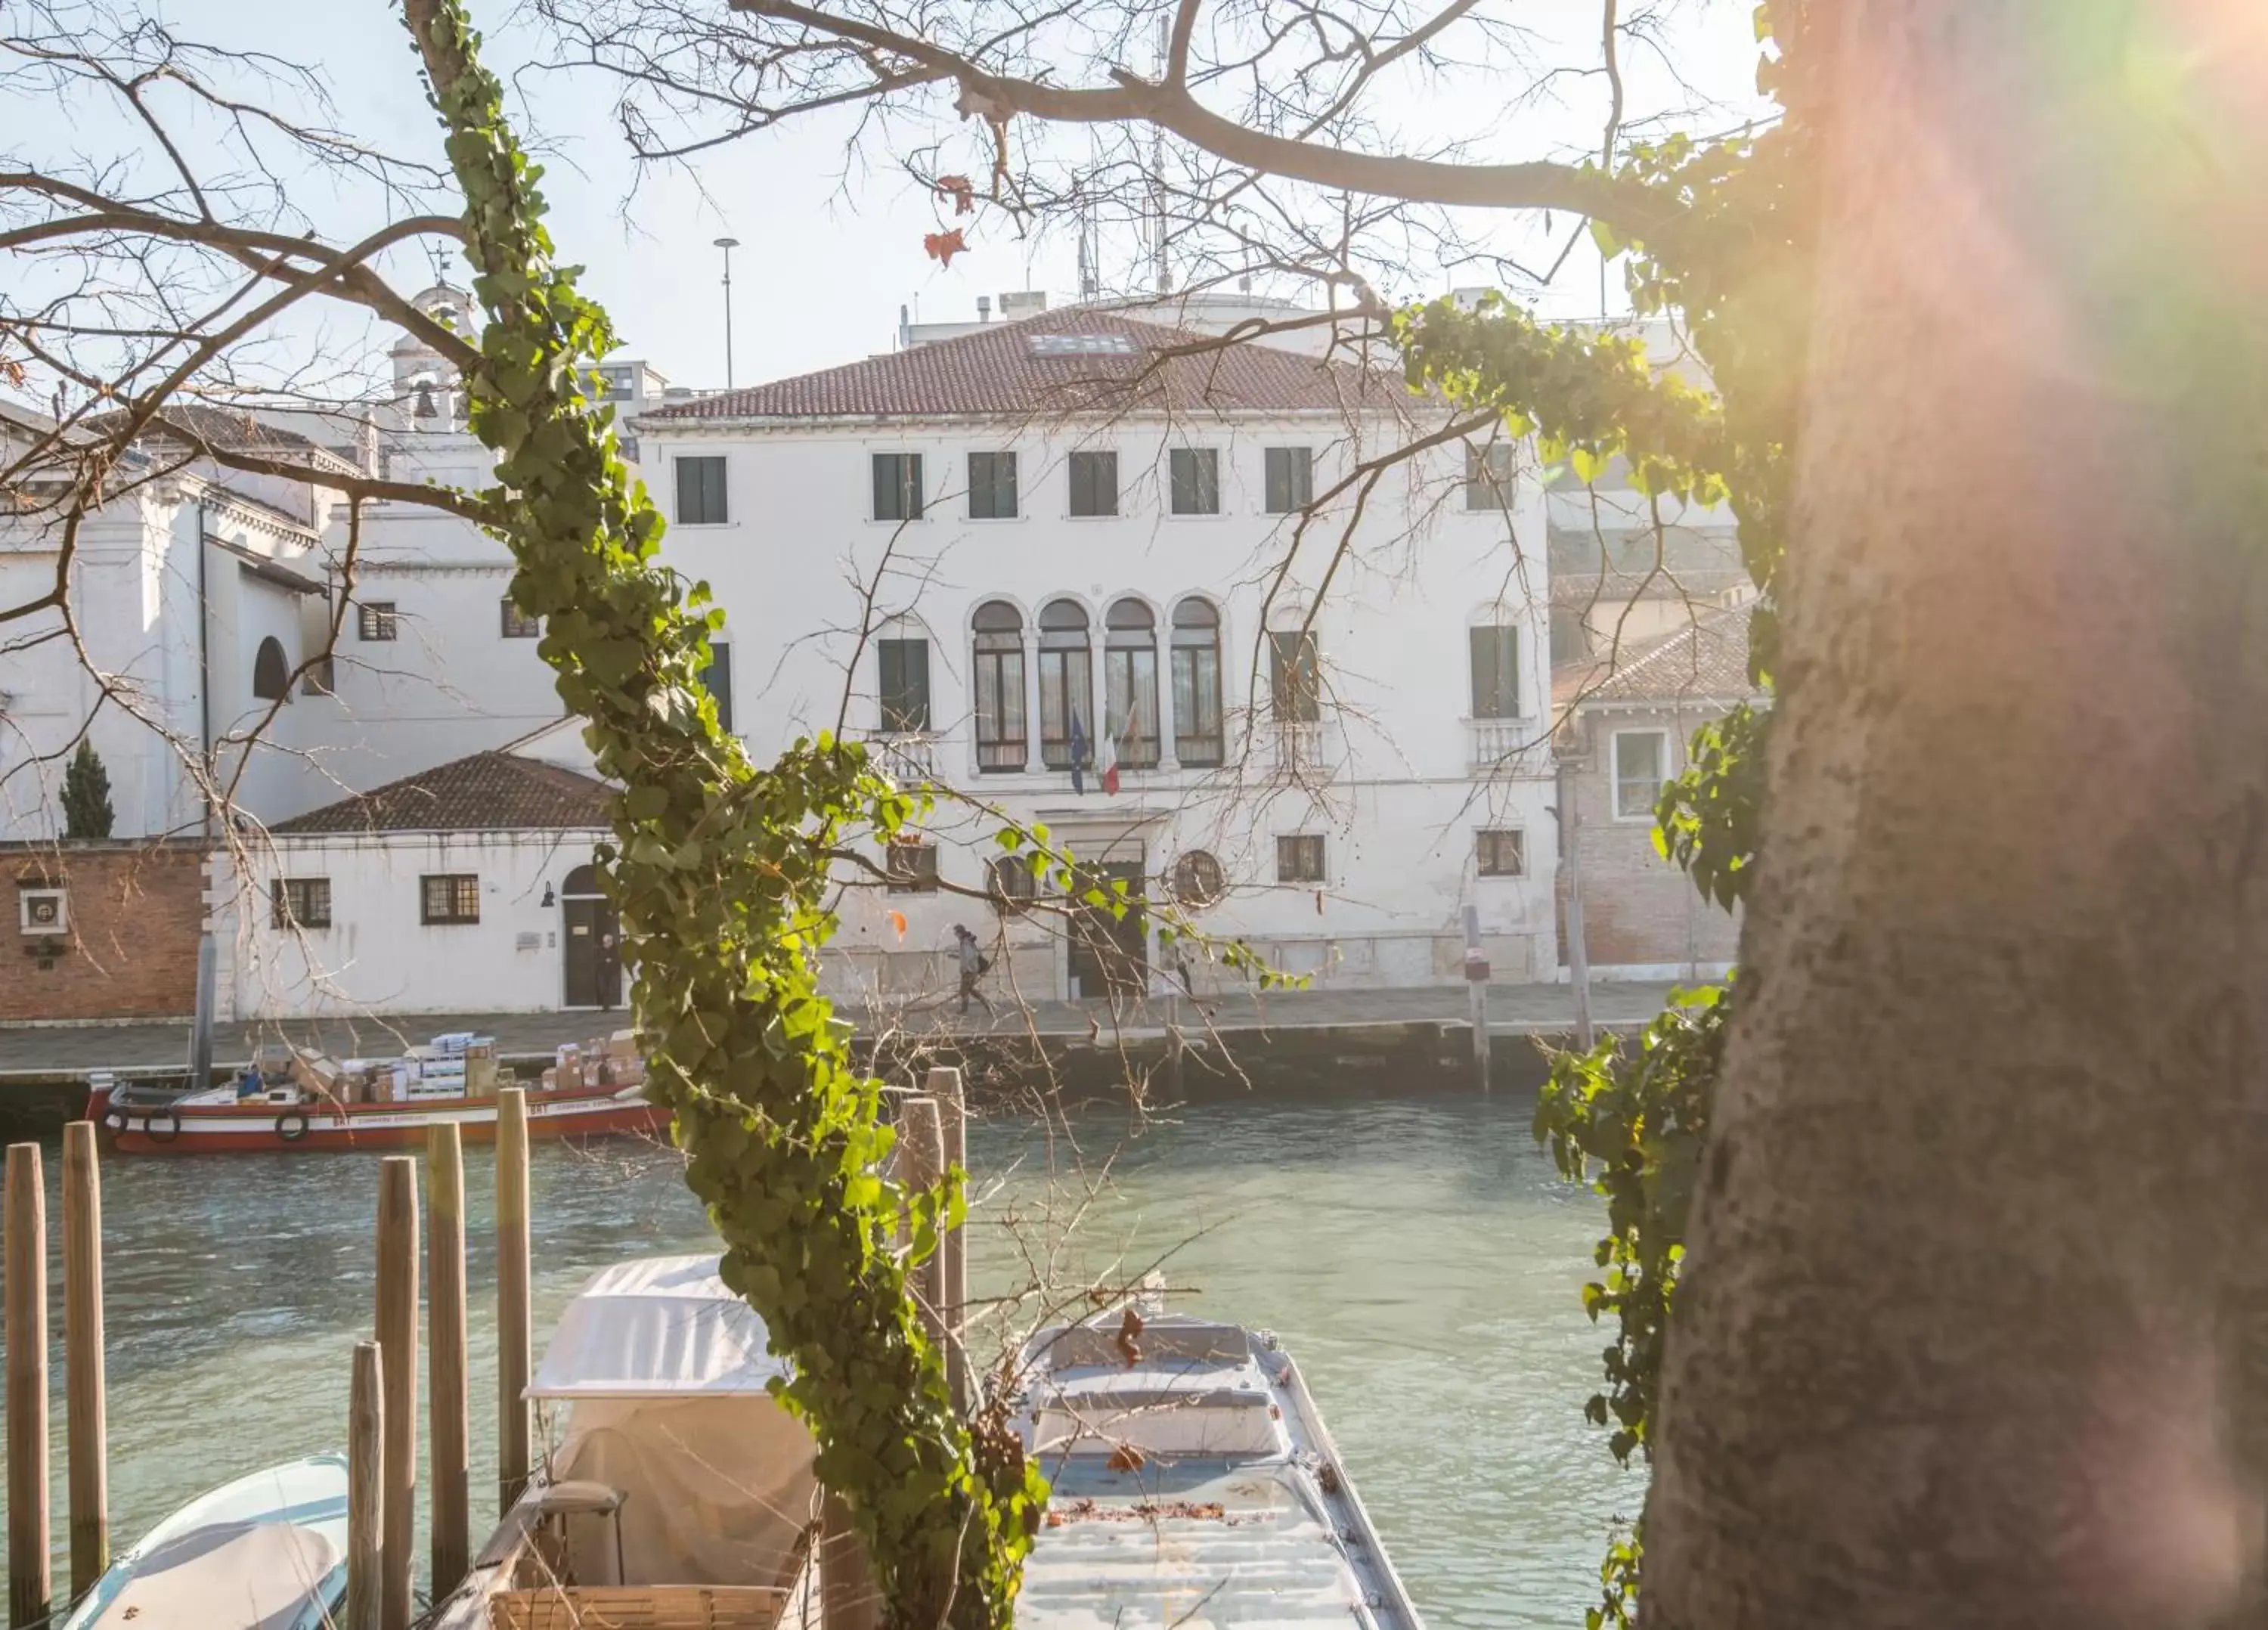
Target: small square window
[[1501, 853], [1299, 860], [1488, 476], [911, 868], [449, 898], [992, 486], [700, 492], [1641, 766], [300, 902], [1094, 483], [44, 909], [898, 491], [375, 621], [1194, 475], [1290, 473], [518, 625]]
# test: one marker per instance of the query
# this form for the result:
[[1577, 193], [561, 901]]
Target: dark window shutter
[[886, 487], [1496, 671], [904, 689]]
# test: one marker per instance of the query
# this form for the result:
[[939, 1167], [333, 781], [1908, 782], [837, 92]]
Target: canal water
[[1419, 1257]]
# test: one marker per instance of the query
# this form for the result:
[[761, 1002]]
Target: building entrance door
[[1110, 954], [593, 942]]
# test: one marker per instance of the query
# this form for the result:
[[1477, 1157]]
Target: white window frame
[[1615, 770], [59, 893]]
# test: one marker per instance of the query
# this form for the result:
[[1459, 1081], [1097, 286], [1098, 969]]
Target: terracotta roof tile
[[1082, 362], [488, 791], [1706, 658]]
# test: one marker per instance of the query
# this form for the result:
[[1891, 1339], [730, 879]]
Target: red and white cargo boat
[[222, 1121]]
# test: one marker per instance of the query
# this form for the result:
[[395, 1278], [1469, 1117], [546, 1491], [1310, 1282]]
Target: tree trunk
[[1962, 1338]]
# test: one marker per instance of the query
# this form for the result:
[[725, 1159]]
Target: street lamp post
[[728, 244]]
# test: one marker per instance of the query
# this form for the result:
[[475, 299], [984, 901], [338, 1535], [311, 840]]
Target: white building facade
[[1036, 544]]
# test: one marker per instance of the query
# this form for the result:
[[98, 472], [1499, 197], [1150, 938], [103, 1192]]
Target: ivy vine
[[718, 869]]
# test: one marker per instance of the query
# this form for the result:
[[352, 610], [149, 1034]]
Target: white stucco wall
[[378, 955], [1393, 790]]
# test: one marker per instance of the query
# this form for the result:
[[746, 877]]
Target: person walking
[[973, 964]]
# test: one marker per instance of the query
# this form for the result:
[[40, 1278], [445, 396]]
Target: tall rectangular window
[[375, 619], [1501, 853], [1496, 670], [1299, 860], [1193, 474], [1641, 763], [1290, 484], [517, 623], [717, 677], [1094, 483], [300, 903], [449, 898], [992, 486], [1197, 737], [1295, 690], [1488, 476], [700, 492], [1003, 736], [904, 689], [898, 490]]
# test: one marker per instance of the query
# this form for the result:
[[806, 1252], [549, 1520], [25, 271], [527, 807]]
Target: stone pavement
[[45, 1053]]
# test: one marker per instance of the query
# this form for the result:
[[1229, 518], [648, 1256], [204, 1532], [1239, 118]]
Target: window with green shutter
[[897, 486], [904, 689], [701, 492], [1295, 687], [1291, 478], [1194, 476], [992, 486], [1093, 483], [1495, 671]]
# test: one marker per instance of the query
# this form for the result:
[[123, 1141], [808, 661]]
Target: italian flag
[[1109, 763]]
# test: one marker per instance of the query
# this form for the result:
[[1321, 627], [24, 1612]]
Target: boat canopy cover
[[664, 1327]]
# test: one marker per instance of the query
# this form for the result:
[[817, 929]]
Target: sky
[[830, 244]]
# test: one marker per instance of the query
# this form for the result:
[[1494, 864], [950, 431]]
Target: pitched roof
[[215, 427], [1069, 361], [1706, 658], [488, 791]]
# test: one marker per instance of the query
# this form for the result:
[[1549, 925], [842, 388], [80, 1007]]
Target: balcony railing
[[1299, 745], [1508, 746], [908, 758]]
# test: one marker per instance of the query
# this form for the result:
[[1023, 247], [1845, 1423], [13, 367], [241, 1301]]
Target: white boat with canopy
[[677, 1490]]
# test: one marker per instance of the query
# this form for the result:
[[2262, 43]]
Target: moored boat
[[680, 1491], [225, 1120], [267, 1552], [1193, 1485]]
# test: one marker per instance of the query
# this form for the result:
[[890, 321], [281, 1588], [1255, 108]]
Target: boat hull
[[257, 1127]]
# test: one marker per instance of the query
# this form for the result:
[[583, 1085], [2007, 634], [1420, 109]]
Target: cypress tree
[[86, 795]]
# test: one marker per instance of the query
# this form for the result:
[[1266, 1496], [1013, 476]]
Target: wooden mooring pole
[[1476, 984], [513, 1318], [921, 1161], [444, 1302], [365, 1489], [87, 1450], [944, 1086], [26, 1247], [397, 1340]]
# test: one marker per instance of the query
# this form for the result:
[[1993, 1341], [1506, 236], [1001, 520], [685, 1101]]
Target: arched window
[[1066, 683], [1199, 881], [271, 672], [1003, 736], [1130, 681], [1197, 682]]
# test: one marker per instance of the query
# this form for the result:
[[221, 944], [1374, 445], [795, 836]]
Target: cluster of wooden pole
[[382, 1415], [31, 1588], [932, 1135]]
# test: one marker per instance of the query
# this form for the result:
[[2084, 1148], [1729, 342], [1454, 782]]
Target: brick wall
[[136, 912], [1639, 910]]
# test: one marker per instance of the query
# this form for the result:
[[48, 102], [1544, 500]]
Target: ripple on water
[[1417, 1257]]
